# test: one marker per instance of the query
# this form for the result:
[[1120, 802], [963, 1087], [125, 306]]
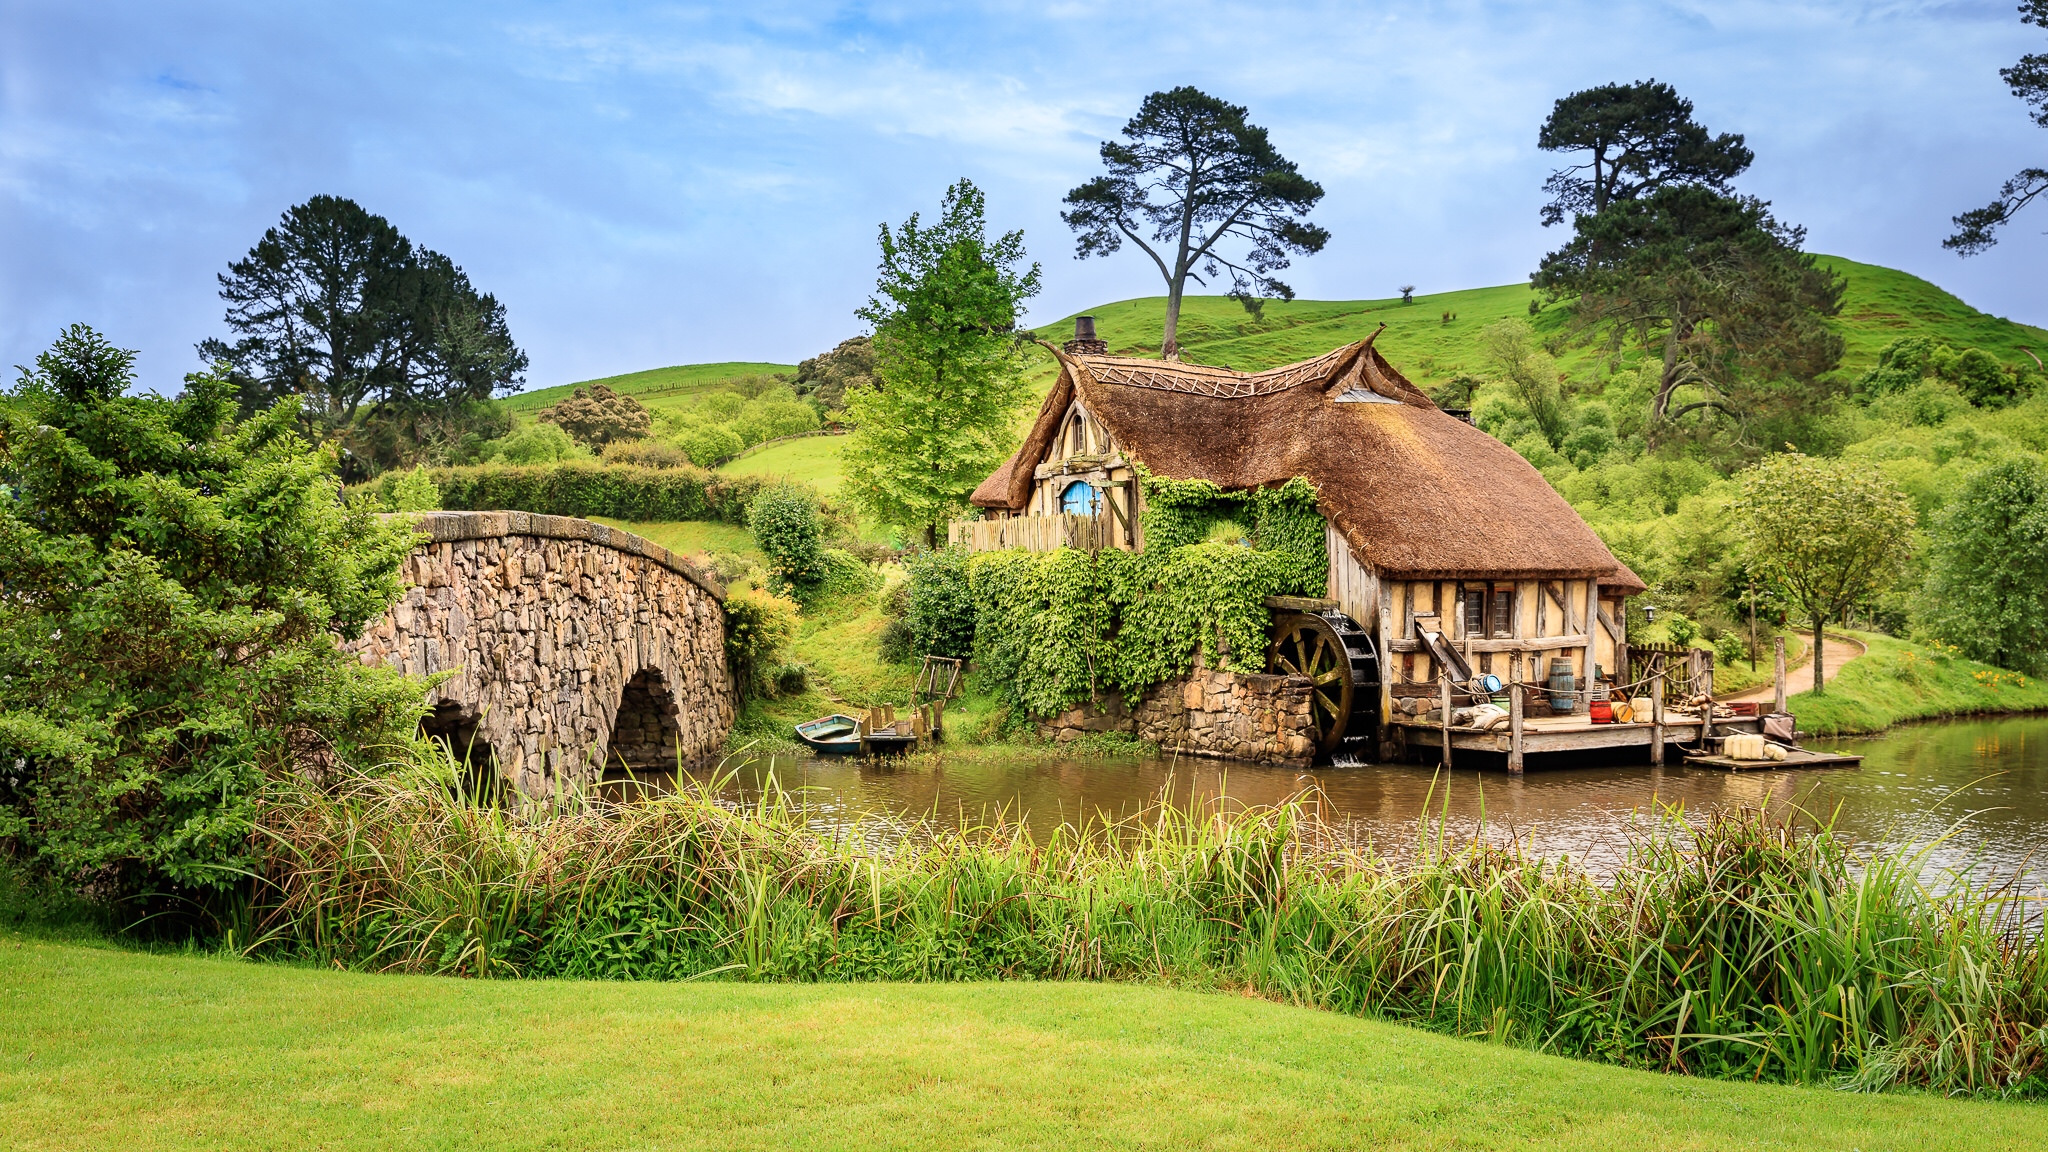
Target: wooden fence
[[1688, 671], [1035, 533]]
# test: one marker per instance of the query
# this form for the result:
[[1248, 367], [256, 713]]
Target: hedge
[[580, 488]]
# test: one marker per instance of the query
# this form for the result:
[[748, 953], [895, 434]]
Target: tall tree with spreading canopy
[[938, 415], [335, 307], [1830, 533], [1703, 281], [1977, 229], [1635, 139], [1190, 175]]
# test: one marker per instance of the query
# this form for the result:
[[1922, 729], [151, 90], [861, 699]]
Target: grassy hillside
[[110, 1049], [652, 385], [1881, 305]]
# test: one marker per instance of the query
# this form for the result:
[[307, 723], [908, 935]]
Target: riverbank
[[108, 1048], [1896, 681]]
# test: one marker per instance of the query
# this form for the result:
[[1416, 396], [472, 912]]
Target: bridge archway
[[571, 641]]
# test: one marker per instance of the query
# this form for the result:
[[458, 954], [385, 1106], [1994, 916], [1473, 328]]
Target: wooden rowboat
[[832, 735]]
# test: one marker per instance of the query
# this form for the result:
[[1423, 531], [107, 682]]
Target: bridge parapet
[[579, 648]]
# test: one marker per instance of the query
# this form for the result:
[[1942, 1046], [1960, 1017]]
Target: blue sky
[[652, 184]]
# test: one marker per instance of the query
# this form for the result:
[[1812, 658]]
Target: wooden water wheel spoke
[[1306, 645]]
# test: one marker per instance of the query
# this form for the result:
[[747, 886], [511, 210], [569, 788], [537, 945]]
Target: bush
[[534, 444], [759, 626], [646, 454], [622, 493], [413, 491], [846, 575], [784, 521], [938, 604], [178, 586], [710, 445], [1730, 649]]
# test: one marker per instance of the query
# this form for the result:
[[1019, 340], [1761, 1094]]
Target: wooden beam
[[1386, 622], [1592, 617], [1544, 644], [1657, 709], [1515, 715], [1556, 594], [1613, 629]]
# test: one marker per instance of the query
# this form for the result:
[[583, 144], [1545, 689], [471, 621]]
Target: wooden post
[[1384, 594], [1515, 714], [1444, 681], [1592, 642], [1657, 709], [1778, 698]]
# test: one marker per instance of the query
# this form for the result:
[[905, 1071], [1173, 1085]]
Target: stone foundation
[[1223, 715]]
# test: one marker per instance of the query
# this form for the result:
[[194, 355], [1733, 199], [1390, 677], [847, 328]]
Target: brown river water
[[1916, 784]]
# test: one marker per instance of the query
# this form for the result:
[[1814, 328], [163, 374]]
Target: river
[[1916, 783]]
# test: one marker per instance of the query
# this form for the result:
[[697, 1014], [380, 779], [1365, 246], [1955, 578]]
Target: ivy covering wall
[[1050, 629]]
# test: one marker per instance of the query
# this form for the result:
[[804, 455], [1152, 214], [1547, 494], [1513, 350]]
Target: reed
[[1740, 946]]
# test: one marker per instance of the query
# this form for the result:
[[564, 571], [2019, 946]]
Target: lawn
[[113, 1049], [814, 459], [694, 538], [1898, 681]]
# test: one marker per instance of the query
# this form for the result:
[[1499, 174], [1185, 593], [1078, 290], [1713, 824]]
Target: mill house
[[1451, 559]]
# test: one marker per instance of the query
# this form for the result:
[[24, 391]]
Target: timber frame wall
[[1083, 451], [1562, 617]]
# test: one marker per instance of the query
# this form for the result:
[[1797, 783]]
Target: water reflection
[[1914, 784]]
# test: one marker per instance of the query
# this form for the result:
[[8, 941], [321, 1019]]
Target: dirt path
[[1838, 650]]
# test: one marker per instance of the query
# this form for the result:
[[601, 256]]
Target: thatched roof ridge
[[1417, 493]]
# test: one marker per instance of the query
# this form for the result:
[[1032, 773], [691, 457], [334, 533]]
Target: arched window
[[1079, 499]]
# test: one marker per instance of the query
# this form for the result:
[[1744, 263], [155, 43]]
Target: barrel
[[1562, 685]]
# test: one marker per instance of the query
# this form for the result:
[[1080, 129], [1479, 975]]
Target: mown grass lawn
[[101, 1048], [812, 459], [1897, 680]]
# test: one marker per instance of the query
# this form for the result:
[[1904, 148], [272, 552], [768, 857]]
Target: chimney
[[1084, 342]]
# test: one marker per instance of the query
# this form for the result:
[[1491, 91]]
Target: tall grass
[[1743, 946]]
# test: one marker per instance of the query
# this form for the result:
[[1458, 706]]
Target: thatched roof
[[1417, 493]]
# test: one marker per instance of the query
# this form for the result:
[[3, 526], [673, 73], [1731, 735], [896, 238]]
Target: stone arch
[[546, 621], [646, 727]]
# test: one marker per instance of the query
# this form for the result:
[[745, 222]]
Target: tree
[[174, 588], [1830, 533], [784, 521], [947, 358], [1717, 291], [1637, 138], [1987, 583], [827, 377], [1189, 175], [596, 416], [335, 307], [1977, 229], [1510, 350]]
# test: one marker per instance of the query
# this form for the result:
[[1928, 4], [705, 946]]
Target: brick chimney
[[1084, 342]]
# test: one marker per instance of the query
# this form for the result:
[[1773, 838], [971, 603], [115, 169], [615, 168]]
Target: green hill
[[654, 385], [1882, 304]]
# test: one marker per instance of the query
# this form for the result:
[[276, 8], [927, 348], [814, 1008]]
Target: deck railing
[[1035, 533]]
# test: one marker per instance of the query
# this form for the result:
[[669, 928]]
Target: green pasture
[[812, 459], [114, 1049], [654, 384], [1897, 680]]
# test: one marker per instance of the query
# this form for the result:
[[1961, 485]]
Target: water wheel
[[1337, 658]]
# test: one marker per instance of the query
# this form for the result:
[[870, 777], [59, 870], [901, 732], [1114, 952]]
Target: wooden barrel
[[1562, 684]]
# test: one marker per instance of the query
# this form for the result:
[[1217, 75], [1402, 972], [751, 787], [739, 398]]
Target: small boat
[[834, 734]]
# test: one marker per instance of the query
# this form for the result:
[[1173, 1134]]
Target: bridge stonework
[[580, 647]]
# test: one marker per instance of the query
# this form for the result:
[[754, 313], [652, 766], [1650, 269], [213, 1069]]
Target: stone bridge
[[577, 648]]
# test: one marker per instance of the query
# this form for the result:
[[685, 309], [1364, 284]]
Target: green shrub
[[759, 626], [413, 491], [645, 454], [938, 604], [712, 444], [534, 444], [1730, 649], [784, 521], [177, 588], [846, 575], [620, 493]]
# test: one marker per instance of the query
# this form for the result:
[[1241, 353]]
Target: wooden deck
[[1794, 758], [1566, 734]]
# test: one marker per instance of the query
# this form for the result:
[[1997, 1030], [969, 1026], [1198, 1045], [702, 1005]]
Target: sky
[[654, 184]]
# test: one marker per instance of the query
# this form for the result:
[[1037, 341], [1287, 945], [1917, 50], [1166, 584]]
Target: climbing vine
[[1053, 628]]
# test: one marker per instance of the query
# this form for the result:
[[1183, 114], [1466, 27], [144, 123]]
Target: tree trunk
[[1169, 344], [1819, 677], [931, 537]]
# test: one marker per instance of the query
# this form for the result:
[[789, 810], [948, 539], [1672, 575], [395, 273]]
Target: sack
[[1780, 726]]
